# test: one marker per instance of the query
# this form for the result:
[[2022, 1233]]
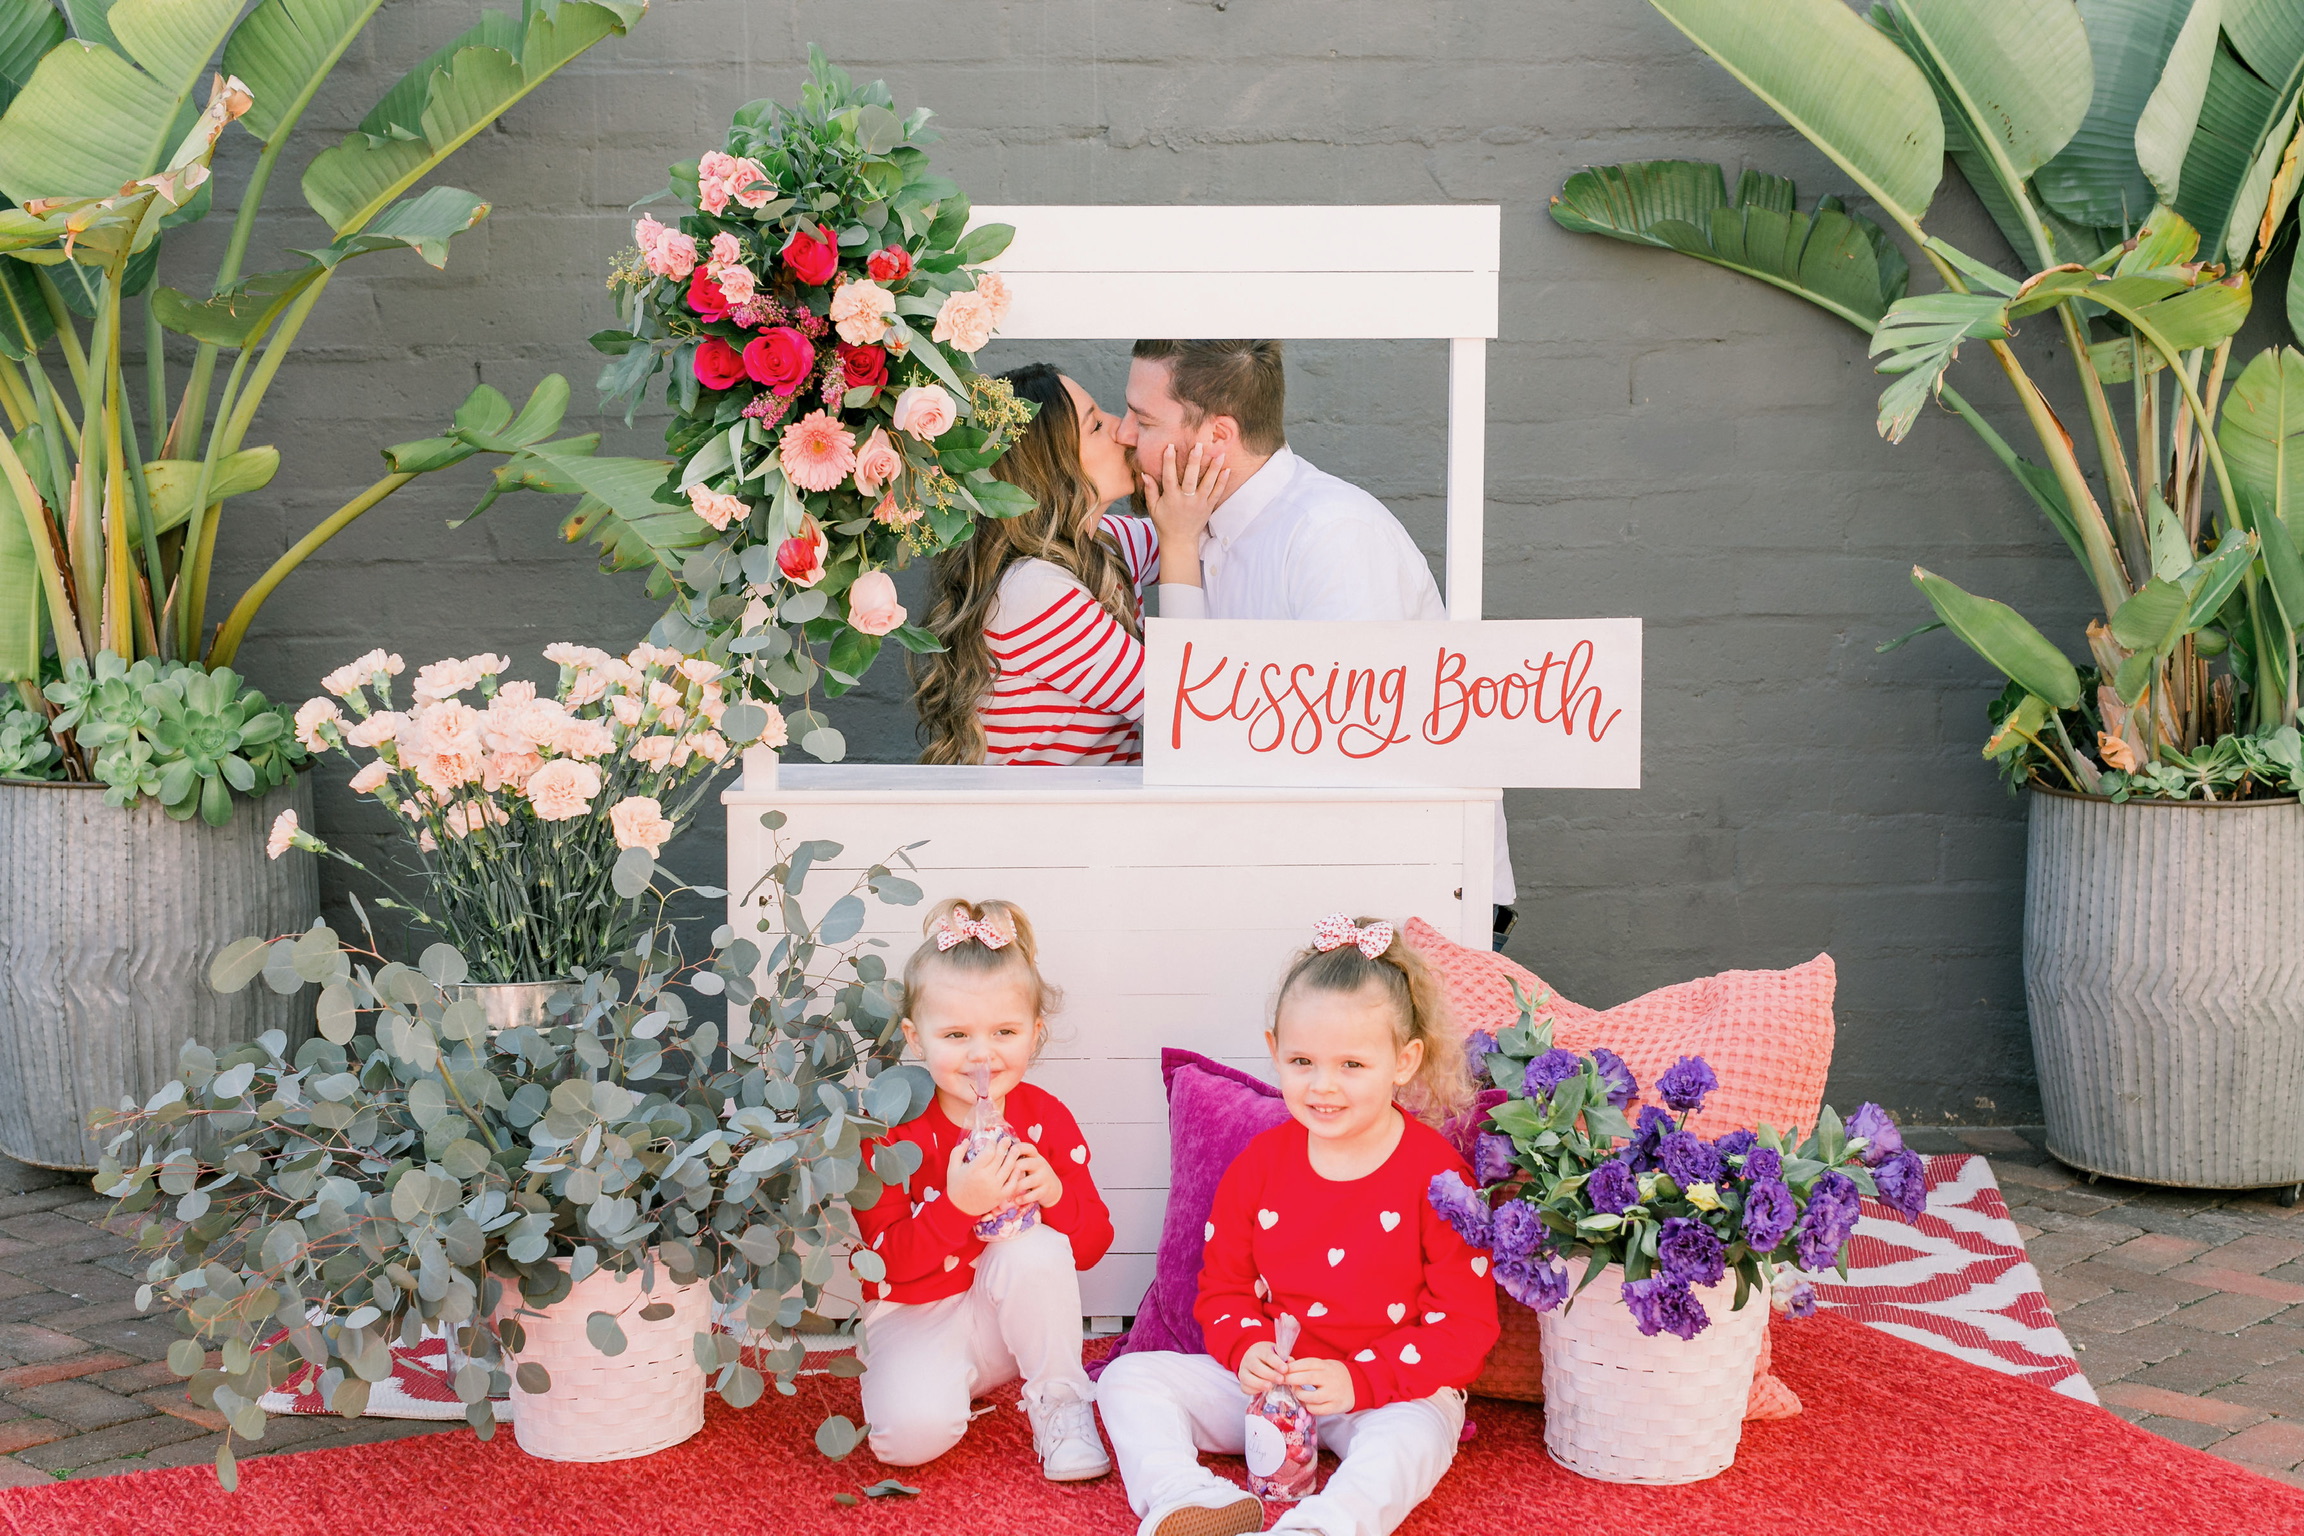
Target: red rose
[[779, 358], [890, 264], [813, 259], [717, 364], [705, 297], [801, 559], [864, 367]]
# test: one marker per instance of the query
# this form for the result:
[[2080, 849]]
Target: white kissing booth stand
[[1122, 877]]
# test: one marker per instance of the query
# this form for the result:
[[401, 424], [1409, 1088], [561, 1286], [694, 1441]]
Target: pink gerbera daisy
[[817, 452]]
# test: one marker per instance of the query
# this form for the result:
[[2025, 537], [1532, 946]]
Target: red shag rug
[[1896, 1440]]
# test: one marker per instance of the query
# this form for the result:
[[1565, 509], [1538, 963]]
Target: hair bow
[[959, 930], [1336, 930]]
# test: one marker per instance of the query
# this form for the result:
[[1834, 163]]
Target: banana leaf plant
[[2141, 160], [113, 478]]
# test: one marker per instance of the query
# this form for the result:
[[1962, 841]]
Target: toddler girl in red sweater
[[1324, 1217], [983, 1256]]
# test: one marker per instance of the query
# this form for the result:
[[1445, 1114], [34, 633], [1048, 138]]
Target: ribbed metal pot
[[109, 918], [2164, 967]]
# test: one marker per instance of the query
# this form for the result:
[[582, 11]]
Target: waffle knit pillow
[[1766, 1034]]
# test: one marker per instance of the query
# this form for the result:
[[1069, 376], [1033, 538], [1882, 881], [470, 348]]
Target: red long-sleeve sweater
[[928, 1244], [1375, 1276]]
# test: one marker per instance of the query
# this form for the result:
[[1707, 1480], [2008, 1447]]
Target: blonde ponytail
[[1439, 1089], [1017, 949]]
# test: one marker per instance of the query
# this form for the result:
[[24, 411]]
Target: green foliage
[[27, 751], [410, 1168], [180, 734]]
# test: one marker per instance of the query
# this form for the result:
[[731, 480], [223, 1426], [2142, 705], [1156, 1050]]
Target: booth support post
[[1467, 470]]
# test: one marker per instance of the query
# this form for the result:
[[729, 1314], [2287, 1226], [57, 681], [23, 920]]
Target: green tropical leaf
[[173, 483], [2152, 621], [2003, 637], [2250, 97], [28, 29], [2171, 113], [89, 121], [1917, 340], [2096, 179], [2261, 430], [438, 106], [285, 49], [1850, 91], [20, 599], [1833, 259]]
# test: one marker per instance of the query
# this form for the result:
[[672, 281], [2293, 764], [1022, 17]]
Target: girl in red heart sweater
[[1324, 1217], [982, 1246]]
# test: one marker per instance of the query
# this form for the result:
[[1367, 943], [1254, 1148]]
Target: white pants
[[1162, 1410], [924, 1361]]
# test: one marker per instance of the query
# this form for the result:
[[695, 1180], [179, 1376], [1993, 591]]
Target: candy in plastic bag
[[987, 1132], [1283, 1437]]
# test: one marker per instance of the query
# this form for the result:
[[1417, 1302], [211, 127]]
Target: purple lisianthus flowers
[[1463, 1208], [1828, 1222], [1615, 1076], [1517, 1232], [1689, 1159], [1492, 1158], [1548, 1071], [1736, 1144], [1903, 1182], [1690, 1252], [1478, 1046], [1685, 1083], [1800, 1300], [1648, 1138], [1612, 1188], [1768, 1214], [1539, 1282], [1882, 1140], [1665, 1306], [1763, 1163]]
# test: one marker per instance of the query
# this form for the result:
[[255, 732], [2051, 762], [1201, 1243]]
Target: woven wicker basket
[[1627, 1409], [612, 1407]]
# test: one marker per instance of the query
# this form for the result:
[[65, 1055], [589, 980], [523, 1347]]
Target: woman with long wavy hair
[[1041, 615]]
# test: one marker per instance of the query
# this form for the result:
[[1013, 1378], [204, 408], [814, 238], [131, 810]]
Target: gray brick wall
[[1665, 439]]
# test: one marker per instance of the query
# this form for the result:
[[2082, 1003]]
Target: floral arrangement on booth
[[1676, 1211], [407, 1169], [815, 318], [536, 819]]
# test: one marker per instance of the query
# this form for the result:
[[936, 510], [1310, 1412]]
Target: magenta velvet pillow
[[1213, 1112]]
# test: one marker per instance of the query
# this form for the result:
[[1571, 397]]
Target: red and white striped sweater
[[1070, 686]]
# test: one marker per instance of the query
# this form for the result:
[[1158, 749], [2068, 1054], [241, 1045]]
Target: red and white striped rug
[[1958, 1282]]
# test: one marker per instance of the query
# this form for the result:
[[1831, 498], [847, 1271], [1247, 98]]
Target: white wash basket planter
[[1116, 875]]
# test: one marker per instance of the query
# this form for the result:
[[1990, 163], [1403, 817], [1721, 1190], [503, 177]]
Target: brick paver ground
[[2187, 1309]]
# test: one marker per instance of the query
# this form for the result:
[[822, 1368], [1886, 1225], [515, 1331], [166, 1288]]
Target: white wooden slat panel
[[1467, 471], [1288, 306], [1378, 238], [1114, 1287]]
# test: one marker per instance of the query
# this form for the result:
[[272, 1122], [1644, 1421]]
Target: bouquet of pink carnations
[[536, 820]]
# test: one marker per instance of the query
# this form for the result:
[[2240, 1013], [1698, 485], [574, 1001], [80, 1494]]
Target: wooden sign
[[1518, 703]]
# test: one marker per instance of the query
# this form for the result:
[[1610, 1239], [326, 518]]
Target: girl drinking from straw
[[1324, 1219], [984, 1240]]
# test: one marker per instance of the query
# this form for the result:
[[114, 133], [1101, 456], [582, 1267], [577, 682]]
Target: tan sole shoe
[[1239, 1518]]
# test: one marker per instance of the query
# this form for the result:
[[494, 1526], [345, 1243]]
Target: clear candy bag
[[987, 1132], [1283, 1436]]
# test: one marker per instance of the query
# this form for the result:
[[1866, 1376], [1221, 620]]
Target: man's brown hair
[[1239, 379]]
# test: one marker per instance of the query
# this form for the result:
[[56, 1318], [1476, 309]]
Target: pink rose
[[812, 259], [801, 557], [721, 176], [727, 250], [668, 252], [718, 365], [736, 285], [705, 297], [779, 358], [925, 411], [965, 320], [562, 789], [860, 312], [716, 507], [872, 605], [877, 463], [639, 822]]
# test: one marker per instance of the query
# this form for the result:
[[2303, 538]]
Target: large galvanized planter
[[108, 920], [2164, 966]]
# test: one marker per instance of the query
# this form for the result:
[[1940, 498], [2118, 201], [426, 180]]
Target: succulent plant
[[185, 736], [26, 749]]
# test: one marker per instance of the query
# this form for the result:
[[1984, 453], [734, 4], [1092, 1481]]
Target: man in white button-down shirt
[[1250, 530]]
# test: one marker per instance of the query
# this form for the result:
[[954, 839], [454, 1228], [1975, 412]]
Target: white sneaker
[[1064, 1437], [1216, 1512]]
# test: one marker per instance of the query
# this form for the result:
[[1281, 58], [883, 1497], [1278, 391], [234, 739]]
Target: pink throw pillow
[[1766, 1034]]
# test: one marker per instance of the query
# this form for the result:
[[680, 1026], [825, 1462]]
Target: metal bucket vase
[[2165, 975], [1621, 1407], [109, 918], [611, 1407]]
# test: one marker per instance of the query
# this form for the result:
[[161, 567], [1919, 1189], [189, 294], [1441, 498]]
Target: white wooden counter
[[1121, 880]]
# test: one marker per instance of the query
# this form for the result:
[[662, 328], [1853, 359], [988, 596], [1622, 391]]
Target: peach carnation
[[444, 680], [625, 708], [965, 320], [994, 288], [562, 789], [578, 737], [310, 717], [925, 411], [655, 751], [283, 835], [717, 507], [639, 822], [817, 452], [860, 312], [468, 816], [773, 734], [877, 462], [377, 729], [567, 655], [356, 673], [371, 778], [710, 745], [697, 670]]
